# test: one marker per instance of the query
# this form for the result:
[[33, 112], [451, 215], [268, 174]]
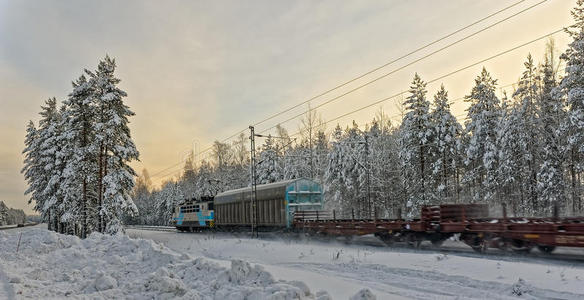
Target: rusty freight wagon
[[469, 221]]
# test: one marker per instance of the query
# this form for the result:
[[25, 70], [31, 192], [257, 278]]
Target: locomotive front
[[194, 215]]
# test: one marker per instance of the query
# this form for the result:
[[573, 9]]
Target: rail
[[6, 227], [151, 227]]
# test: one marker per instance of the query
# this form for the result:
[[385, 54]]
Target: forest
[[523, 150]]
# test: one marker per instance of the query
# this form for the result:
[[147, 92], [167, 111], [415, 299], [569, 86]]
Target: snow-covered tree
[[529, 141], [52, 161], [206, 182], [33, 172], [116, 148], [445, 151], [481, 137], [415, 142], [550, 177], [572, 88], [80, 152], [268, 168], [169, 196]]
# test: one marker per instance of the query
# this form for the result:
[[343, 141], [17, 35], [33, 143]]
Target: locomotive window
[[210, 206]]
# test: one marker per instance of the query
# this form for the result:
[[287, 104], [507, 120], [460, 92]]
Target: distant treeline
[[11, 216]]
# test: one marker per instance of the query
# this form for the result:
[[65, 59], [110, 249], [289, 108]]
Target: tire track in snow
[[419, 284]]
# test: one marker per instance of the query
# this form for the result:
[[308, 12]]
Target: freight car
[[469, 221], [276, 204]]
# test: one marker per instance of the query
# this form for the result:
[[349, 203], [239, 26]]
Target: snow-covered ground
[[170, 265], [389, 273], [54, 266]]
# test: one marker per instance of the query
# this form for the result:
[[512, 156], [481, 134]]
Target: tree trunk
[[573, 175], [100, 187], [83, 231]]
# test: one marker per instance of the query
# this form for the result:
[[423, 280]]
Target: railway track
[[7, 227], [151, 228], [562, 254]]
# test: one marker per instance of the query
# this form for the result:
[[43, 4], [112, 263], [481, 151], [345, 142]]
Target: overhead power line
[[434, 80], [157, 174], [448, 74], [407, 65], [390, 62]]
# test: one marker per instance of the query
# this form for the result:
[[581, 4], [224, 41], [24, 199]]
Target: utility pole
[[254, 191]]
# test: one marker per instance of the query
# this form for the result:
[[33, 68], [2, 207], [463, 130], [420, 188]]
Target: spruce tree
[[550, 177], [526, 95], [415, 147], [446, 157], [268, 168], [481, 137]]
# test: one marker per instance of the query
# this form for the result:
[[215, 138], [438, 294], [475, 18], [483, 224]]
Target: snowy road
[[390, 273]]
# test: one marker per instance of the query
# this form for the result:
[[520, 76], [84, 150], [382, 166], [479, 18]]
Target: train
[[297, 205], [276, 206]]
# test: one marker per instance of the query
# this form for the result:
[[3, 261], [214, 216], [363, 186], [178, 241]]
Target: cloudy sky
[[196, 71]]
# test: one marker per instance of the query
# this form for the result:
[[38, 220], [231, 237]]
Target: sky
[[199, 71]]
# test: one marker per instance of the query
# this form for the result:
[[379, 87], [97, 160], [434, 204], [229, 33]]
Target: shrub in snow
[[520, 288]]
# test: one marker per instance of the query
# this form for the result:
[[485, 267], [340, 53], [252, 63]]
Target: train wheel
[[520, 246], [386, 238], [546, 249], [437, 242], [480, 245], [412, 241]]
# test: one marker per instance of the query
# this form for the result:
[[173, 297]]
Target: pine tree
[[80, 152], [527, 94], [206, 182], [189, 177], [167, 199], [446, 157], [52, 162], [480, 143], [512, 144], [116, 149], [415, 147], [335, 186], [550, 177], [33, 172], [268, 167]]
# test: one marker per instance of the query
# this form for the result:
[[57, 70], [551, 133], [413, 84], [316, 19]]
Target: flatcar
[[276, 204], [194, 215]]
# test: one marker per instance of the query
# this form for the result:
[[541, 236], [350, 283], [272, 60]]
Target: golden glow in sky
[[200, 71]]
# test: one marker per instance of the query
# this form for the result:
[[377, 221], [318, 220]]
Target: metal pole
[[254, 194]]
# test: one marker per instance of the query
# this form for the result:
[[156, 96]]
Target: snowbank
[[389, 273], [50, 265]]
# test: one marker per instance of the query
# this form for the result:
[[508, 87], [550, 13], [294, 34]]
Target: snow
[[55, 266], [388, 273]]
